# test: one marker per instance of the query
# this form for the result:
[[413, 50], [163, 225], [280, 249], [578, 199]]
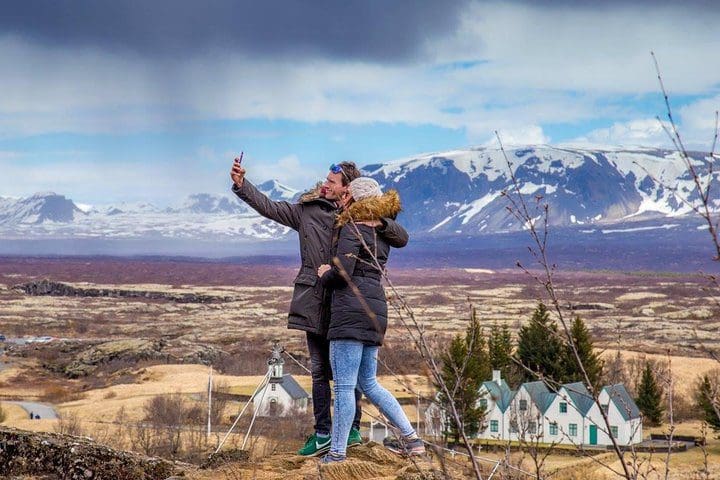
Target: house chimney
[[497, 377]]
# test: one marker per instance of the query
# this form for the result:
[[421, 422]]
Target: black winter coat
[[313, 217], [359, 307]]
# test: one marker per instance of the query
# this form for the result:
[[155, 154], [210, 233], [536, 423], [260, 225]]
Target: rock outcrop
[[74, 458], [58, 289], [131, 351]]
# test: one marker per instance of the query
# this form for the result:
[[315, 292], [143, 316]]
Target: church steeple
[[275, 363]]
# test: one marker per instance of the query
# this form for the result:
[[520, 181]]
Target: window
[[572, 429], [563, 407], [483, 404], [523, 405], [553, 428], [532, 427], [272, 387], [614, 431], [513, 426], [606, 408], [494, 427]]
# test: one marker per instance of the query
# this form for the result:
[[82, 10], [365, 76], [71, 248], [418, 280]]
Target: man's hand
[[322, 269], [237, 173], [370, 223]]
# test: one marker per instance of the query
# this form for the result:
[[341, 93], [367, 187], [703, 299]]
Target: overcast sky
[[133, 100]]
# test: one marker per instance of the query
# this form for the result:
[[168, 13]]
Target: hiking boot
[[354, 438], [405, 447], [332, 458], [315, 446]]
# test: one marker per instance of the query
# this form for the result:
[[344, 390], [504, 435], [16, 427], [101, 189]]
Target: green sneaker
[[315, 446], [354, 438]]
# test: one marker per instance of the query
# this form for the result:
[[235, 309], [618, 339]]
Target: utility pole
[[417, 426], [210, 381]]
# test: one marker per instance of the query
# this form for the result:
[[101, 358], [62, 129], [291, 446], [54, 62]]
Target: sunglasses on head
[[338, 169]]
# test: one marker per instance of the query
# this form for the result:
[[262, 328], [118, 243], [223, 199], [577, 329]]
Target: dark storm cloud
[[375, 30]]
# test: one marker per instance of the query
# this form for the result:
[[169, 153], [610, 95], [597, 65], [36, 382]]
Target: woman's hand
[[323, 269]]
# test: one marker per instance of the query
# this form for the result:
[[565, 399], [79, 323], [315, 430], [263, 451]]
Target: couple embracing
[[346, 228]]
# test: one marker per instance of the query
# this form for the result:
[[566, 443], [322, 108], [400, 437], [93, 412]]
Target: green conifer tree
[[650, 398], [707, 399], [465, 365], [585, 349], [540, 347], [500, 350]]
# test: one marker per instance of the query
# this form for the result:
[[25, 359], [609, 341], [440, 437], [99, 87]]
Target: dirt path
[[46, 412]]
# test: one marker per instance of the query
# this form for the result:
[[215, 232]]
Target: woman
[[358, 318]]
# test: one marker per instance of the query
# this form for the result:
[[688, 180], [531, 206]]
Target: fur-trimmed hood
[[312, 194], [373, 208]]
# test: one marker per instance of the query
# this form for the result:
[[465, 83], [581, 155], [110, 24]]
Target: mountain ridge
[[457, 192]]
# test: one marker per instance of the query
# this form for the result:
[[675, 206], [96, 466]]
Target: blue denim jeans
[[356, 364], [319, 349]]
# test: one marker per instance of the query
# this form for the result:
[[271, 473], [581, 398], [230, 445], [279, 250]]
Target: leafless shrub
[[703, 473], [3, 414], [281, 434], [219, 403], [172, 427], [401, 359], [69, 424], [684, 409]]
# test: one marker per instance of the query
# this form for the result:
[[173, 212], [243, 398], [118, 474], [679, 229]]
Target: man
[[313, 217]]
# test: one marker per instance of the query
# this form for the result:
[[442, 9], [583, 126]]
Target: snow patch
[[640, 229]]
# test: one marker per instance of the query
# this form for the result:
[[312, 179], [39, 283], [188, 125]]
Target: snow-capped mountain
[[277, 191], [44, 207], [447, 193], [211, 204], [462, 191], [200, 216]]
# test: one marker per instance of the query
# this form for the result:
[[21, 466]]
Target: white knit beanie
[[364, 187]]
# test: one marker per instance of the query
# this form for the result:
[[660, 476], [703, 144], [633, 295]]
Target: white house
[[623, 413], [495, 397], [282, 395], [567, 416]]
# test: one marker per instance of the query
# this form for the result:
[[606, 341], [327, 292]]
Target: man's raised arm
[[285, 213], [394, 234]]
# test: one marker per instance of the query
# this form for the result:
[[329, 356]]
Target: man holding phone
[[313, 217]]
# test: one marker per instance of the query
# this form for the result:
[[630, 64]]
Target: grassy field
[[668, 319]]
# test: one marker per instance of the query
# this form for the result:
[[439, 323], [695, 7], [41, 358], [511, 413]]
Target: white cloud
[[93, 182], [644, 132], [698, 122], [526, 135], [603, 49], [536, 61], [695, 123], [288, 170]]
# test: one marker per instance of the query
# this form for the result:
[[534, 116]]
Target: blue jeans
[[356, 364], [319, 349]]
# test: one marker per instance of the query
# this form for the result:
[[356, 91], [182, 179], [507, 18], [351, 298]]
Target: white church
[[282, 395], [566, 416]]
